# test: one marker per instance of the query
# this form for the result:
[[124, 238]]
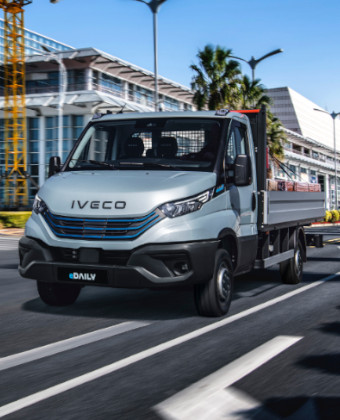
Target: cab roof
[[177, 114]]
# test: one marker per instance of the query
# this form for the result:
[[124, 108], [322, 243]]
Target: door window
[[237, 143]]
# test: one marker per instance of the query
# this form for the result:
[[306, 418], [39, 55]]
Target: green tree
[[251, 94], [276, 136], [217, 83], [216, 78]]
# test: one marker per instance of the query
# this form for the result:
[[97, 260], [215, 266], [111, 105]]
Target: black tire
[[292, 270], [214, 297], [55, 294]]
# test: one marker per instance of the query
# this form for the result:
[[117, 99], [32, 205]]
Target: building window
[[110, 84], [143, 96], [75, 80], [293, 172], [44, 82], [171, 104]]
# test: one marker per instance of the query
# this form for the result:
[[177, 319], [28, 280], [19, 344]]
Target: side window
[[242, 141], [231, 151], [237, 143]]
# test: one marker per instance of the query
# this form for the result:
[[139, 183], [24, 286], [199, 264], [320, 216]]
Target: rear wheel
[[214, 297], [55, 294], [292, 270]]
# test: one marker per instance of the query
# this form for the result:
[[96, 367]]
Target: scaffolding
[[15, 177]]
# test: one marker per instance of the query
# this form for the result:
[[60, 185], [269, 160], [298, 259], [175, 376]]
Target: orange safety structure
[[16, 193]]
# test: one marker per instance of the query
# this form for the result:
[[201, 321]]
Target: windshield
[[174, 143]]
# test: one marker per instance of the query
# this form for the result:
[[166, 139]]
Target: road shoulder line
[[68, 344]]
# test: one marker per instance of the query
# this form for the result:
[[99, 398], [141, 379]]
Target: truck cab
[[148, 200]]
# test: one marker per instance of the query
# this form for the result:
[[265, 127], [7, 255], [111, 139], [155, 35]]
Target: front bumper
[[148, 266]]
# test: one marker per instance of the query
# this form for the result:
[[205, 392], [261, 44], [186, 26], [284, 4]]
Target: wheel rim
[[223, 282], [298, 262]]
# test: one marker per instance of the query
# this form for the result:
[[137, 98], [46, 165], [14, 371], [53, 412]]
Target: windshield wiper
[[146, 164], [93, 162], [98, 162]]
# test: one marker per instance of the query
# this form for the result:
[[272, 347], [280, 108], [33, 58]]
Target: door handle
[[253, 201]]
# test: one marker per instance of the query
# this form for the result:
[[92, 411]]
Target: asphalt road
[[124, 354]]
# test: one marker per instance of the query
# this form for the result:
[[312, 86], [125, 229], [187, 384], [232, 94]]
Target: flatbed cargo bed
[[287, 208]]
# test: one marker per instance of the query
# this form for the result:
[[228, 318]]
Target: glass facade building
[[33, 43], [95, 82]]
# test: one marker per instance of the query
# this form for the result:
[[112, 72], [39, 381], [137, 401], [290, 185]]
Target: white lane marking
[[206, 398], [105, 370], [68, 344], [241, 406]]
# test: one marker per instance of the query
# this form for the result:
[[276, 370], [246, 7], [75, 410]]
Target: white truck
[[161, 199]]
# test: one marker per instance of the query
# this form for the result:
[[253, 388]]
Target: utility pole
[[254, 62], [154, 6]]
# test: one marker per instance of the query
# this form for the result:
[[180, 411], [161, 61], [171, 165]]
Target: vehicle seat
[[133, 147], [167, 147]]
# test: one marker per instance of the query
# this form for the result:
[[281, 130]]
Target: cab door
[[243, 199]]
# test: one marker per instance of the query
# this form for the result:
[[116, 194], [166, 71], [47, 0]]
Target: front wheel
[[292, 270], [55, 294], [214, 297]]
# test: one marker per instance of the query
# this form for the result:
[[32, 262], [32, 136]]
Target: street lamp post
[[333, 115], [154, 5], [62, 90], [254, 62]]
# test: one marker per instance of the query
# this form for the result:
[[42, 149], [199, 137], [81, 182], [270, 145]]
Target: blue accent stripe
[[74, 219], [219, 189], [103, 237], [103, 228]]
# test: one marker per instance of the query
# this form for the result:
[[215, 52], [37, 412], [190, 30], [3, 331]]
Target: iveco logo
[[106, 205]]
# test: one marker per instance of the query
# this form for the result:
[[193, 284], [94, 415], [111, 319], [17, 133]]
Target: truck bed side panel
[[282, 207]]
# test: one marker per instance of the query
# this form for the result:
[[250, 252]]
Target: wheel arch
[[228, 241]]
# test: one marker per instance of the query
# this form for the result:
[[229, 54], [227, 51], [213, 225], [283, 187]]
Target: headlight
[[39, 205], [180, 208]]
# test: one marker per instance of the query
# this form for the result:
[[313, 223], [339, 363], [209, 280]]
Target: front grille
[[104, 229]]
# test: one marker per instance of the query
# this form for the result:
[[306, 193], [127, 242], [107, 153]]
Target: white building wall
[[298, 114]]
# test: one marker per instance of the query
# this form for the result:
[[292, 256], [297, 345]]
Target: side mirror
[[54, 165], [242, 170]]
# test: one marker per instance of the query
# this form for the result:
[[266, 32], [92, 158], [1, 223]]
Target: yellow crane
[[16, 193]]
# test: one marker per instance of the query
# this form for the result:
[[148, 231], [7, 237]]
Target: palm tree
[[276, 137], [217, 84], [251, 94], [216, 78]]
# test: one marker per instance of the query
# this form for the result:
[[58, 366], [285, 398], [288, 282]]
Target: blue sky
[[307, 30]]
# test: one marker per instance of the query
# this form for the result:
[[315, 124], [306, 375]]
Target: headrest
[[134, 147], [167, 147]]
